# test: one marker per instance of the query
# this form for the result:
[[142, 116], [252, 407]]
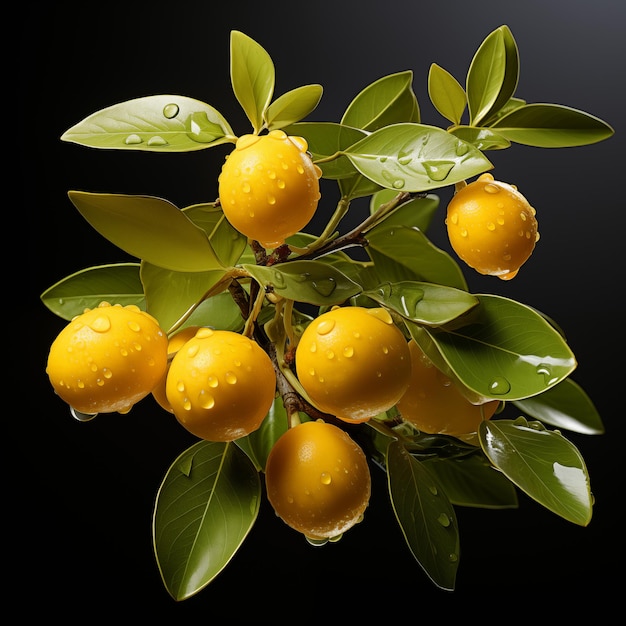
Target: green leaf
[[552, 126], [205, 508], [415, 212], [446, 94], [86, 289], [426, 517], [164, 123], [313, 282], [388, 100], [416, 157], [424, 303], [481, 138], [565, 405], [252, 76], [543, 464], [404, 253], [356, 186], [471, 481], [148, 228], [293, 106], [169, 294], [505, 350]]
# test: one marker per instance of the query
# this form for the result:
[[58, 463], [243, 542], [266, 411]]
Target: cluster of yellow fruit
[[352, 362]]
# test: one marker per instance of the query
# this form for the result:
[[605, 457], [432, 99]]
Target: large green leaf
[[565, 405], [403, 253], [313, 282], [415, 212], [482, 138], [425, 515], [163, 123], [425, 303], [117, 284], [552, 126], [388, 100], [252, 76], [205, 508], [505, 351], [293, 106], [542, 463], [148, 228], [416, 157], [446, 94]]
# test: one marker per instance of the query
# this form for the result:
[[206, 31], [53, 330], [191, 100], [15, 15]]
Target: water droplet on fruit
[[230, 378], [491, 188], [212, 382], [170, 110], [101, 324], [206, 400], [325, 327], [316, 542], [326, 478], [81, 417], [348, 351]]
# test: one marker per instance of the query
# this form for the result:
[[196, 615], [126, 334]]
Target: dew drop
[[271, 199], [453, 557], [245, 187], [491, 188], [444, 520], [326, 478], [230, 378], [170, 111], [81, 417], [157, 140], [134, 326], [101, 324], [499, 386], [438, 170], [180, 386], [206, 400], [330, 354], [491, 226], [324, 286], [316, 542], [433, 490], [132, 140], [212, 382], [325, 327], [348, 351]]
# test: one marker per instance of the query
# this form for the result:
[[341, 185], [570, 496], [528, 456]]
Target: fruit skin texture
[[107, 359], [433, 404], [175, 343], [318, 480], [492, 227], [353, 362], [220, 385], [269, 187]]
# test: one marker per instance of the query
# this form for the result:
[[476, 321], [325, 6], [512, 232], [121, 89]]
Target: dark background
[[83, 507]]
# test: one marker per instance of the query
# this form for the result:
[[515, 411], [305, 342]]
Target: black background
[[82, 509]]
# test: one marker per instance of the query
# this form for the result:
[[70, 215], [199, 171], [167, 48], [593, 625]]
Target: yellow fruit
[[492, 227], [220, 385], [353, 362], [107, 359], [175, 343], [433, 404], [318, 480], [269, 187]]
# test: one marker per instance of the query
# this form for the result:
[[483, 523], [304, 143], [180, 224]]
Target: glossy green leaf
[[426, 516], [227, 242], [170, 295], [205, 508], [565, 405], [293, 106], [416, 157], [325, 140], [414, 213], [552, 126], [542, 463], [506, 350], [148, 228], [446, 94], [86, 289], [389, 100], [163, 123], [471, 481], [404, 253], [357, 186], [425, 303], [252, 76], [313, 282], [481, 138]]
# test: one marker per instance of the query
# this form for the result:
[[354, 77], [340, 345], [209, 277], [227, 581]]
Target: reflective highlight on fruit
[[353, 362], [492, 227], [269, 187], [318, 480], [107, 359], [220, 385], [433, 404]]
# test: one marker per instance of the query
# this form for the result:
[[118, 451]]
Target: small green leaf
[[252, 77], [148, 228], [389, 100], [314, 282], [416, 157], [425, 303], [404, 253], [86, 289], [543, 464], [205, 507], [426, 517], [552, 126], [293, 106], [164, 123], [565, 405], [446, 94], [414, 213], [481, 138]]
